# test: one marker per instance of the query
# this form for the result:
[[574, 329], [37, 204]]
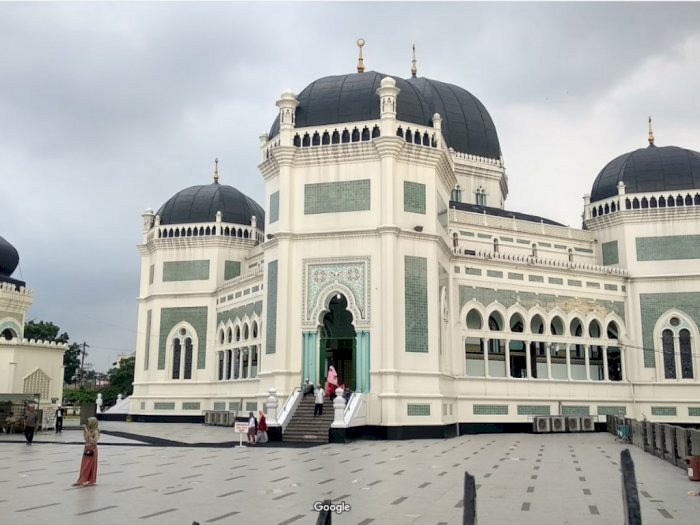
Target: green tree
[[121, 381], [79, 396], [47, 331]]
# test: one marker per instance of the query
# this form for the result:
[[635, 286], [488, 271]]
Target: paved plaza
[[179, 473]]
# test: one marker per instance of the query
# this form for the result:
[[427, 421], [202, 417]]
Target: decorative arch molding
[[325, 277], [11, 324], [191, 333], [686, 322], [621, 328], [471, 305], [324, 299]]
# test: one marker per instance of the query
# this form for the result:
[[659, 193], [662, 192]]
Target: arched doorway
[[338, 342]]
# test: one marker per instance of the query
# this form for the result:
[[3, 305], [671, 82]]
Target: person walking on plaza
[[30, 420], [252, 428], [59, 420], [261, 436], [88, 466], [318, 401]]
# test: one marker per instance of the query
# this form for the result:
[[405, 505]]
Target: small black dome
[[466, 125], [200, 204], [9, 258], [648, 170]]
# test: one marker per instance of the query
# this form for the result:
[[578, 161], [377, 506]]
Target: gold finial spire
[[651, 134], [216, 171], [360, 63], [414, 69]]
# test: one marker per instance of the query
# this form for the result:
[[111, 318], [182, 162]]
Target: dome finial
[[651, 134], [414, 69], [216, 171], [360, 63]]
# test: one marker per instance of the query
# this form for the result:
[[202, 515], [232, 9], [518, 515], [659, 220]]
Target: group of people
[[329, 390], [257, 428]]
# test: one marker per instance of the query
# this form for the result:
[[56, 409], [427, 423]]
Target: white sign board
[[240, 426]]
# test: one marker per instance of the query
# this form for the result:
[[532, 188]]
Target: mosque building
[[30, 369], [385, 249]]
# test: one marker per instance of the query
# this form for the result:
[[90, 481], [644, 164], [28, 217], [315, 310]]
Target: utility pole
[[82, 363]]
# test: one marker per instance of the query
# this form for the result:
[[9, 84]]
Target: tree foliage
[[47, 331], [79, 396], [121, 381]]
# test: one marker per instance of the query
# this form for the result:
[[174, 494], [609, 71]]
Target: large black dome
[[466, 125], [200, 204], [648, 170], [9, 258]]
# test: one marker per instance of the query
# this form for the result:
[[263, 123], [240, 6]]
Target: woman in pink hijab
[[331, 382]]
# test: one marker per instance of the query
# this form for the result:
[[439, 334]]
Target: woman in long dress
[[331, 382], [88, 466]]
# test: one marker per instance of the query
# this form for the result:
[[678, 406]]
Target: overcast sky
[[109, 108]]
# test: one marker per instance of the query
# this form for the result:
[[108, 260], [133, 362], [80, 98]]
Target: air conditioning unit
[[587, 424], [573, 424], [541, 425], [558, 423]]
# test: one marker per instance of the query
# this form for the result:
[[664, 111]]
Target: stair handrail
[[353, 408], [289, 407]]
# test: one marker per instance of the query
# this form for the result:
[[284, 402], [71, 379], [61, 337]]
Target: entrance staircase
[[304, 427]]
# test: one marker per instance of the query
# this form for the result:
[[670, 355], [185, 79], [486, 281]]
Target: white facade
[[437, 311]]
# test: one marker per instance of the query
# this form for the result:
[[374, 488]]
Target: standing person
[[331, 382], [59, 419], [88, 466], [318, 401], [261, 436], [252, 428], [30, 419]]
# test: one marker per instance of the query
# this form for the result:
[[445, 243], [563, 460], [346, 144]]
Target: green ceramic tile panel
[[472, 271], [274, 207], [560, 246], [185, 271], [416, 303], [506, 239], [575, 410], [218, 405], [574, 282], [234, 406], [533, 410], [190, 405], [663, 411], [413, 197], [652, 305], [255, 289], [151, 273], [458, 269], [523, 241], [590, 284], [231, 269], [494, 273], [669, 248], [555, 280], [251, 406], [610, 253], [271, 317], [195, 316], [246, 291], [545, 244], [229, 297], [583, 250], [413, 409], [535, 278], [483, 235], [149, 317], [611, 287], [334, 197], [490, 410], [611, 410], [694, 411], [515, 276], [528, 300], [163, 406], [466, 234], [238, 294]]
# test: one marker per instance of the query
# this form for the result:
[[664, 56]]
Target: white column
[[486, 357], [271, 407], [338, 409], [528, 360], [606, 374], [548, 356], [587, 358], [568, 361], [623, 362], [507, 357]]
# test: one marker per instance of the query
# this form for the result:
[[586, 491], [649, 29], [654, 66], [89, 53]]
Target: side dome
[[466, 125], [200, 204], [9, 258], [648, 170]]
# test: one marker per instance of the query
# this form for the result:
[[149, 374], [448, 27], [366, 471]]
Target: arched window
[[455, 240], [474, 321], [188, 359], [556, 327], [238, 333], [246, 332], [652, 202], [645, 202], [495, 322], [534, 251], [516, 323], [220, 368], [177, 354], [229, 335], [677, 348], [480, 197], [495, 245], [254, 362], [254, 330], [221, 337], [571, 255], [669, 354], [8, 334], [244, 368], [686, 354], [613, 331], [537, 325], [229, 355], [594, 329], [236, 363]]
